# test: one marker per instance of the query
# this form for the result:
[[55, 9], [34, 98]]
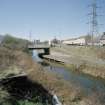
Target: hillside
[[14, 43]]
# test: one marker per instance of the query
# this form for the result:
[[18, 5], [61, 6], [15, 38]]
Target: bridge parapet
[[39, 46]]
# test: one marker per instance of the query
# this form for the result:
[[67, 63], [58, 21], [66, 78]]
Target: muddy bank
[[98, 72], [78, 65]]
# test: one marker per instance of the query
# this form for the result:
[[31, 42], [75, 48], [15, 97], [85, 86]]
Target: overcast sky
[[46, 19]]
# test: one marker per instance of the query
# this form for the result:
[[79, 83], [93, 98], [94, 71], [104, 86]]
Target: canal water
[[35, 56], [88, 83]]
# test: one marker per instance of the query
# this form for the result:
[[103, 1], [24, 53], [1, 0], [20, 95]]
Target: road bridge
[[40, 47]]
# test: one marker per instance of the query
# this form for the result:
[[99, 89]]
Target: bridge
[[41, 48]]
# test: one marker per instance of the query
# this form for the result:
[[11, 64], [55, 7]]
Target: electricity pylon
[[94, 22]]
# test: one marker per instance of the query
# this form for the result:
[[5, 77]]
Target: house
[[102, 39], [75, 41]]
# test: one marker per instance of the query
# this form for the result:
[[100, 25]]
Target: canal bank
[[65, 91], [86, 61], [87, 85], [15, 86]]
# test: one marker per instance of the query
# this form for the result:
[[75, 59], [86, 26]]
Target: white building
[[75, 41], [102, 39]]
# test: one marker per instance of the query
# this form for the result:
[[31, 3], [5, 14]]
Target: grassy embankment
[[16, 61], [89, 60], [67, 93], [11, 91], [21, 62]]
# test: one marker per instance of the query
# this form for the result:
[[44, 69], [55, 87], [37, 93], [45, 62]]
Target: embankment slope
[[89, 60]]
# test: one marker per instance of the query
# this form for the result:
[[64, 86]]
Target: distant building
[[86, 40], [75, 41], [54, 42], [102, 39], [37, 42]]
